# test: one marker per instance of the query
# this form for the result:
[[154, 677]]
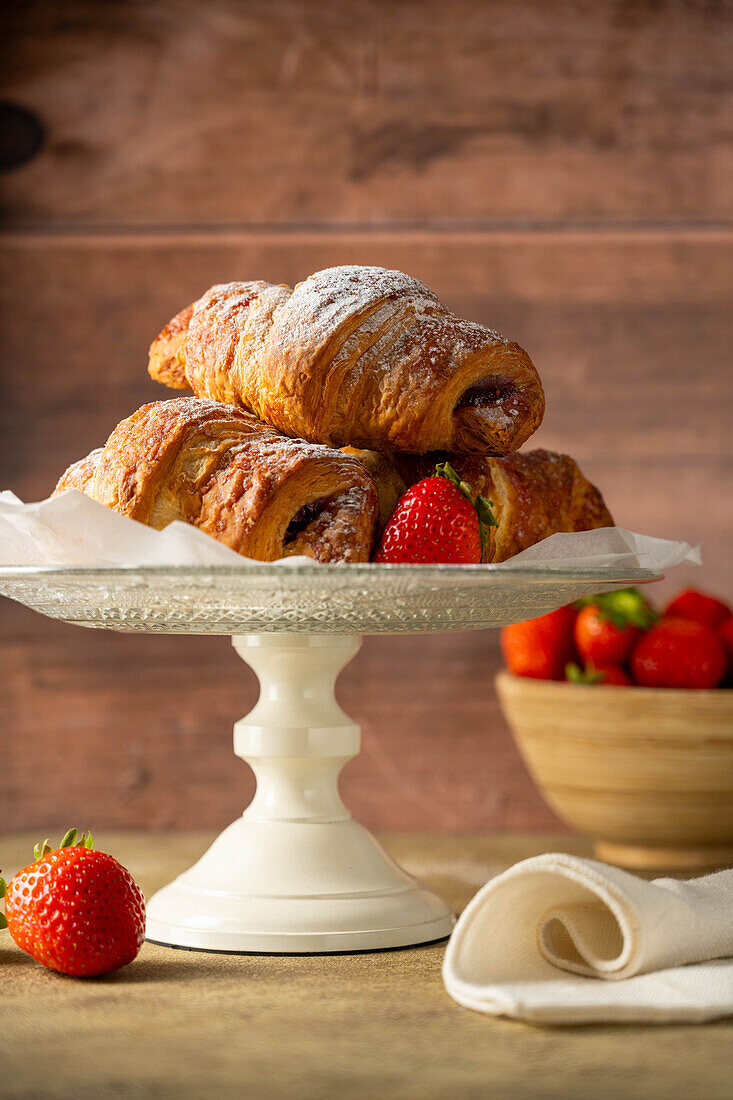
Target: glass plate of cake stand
[[296, 874]]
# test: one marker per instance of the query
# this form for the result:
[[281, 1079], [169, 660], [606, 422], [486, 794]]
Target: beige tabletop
[[189, 1024]]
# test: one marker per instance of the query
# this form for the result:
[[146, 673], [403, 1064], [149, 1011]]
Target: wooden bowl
[[646, 772]]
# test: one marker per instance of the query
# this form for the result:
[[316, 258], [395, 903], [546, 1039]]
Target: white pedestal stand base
[[295, 874]]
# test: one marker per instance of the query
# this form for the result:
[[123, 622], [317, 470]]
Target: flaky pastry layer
[[354, 355], [217, 467]]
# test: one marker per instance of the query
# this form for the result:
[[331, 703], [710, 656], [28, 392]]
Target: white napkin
[[562, 940], [72, 529]]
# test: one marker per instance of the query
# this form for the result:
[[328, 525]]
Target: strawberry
[[601, 641], [540, 648], [615, 676], [725, 634], [76, 910], [609, 676], [699, 608], [677, 653], [609, 625], [437, 520]]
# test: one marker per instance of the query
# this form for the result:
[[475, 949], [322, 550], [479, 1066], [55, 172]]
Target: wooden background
[[559, 170]]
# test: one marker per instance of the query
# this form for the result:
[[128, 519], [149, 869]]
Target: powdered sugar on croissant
[[354, 355]]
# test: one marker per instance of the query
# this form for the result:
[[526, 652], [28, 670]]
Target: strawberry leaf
[[3, 922], [486, 519], [588, 675], [41, 850], [69, 840], [3, 887], [444, 469]]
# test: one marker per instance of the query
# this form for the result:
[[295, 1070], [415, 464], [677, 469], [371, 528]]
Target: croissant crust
[[218, 468], [354, 355]]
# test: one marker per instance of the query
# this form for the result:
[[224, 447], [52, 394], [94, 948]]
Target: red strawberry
[[76, 910], [677, 653], [609, 676], [699, 608], [613, 676], [608, 627], [600, 641], [541, 647], [437, 520], [725, 634]]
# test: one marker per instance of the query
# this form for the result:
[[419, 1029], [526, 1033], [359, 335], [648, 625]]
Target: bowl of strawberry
[[624, 716]]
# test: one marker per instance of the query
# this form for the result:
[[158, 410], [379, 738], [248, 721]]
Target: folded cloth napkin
[[562, 940]]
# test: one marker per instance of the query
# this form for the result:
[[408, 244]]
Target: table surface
[[190, 1024]]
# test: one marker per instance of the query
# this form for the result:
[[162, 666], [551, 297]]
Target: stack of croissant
[[315, 408]]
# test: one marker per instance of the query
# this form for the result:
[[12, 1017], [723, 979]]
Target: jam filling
[[487, 391], [303, 517]]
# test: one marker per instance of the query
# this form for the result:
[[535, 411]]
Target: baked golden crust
[[79, 474], [535, 494], [168, 356], [218, 468], [355, 355]]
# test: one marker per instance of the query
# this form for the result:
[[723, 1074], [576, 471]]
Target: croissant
[[534, 494], [354, 355], [218, 468]]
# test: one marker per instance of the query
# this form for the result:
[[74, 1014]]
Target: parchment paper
[[72, 529]]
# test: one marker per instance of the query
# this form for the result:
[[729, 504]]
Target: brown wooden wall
[[560, 170]]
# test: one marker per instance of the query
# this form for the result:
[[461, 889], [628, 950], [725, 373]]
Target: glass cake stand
[[296, 874]]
